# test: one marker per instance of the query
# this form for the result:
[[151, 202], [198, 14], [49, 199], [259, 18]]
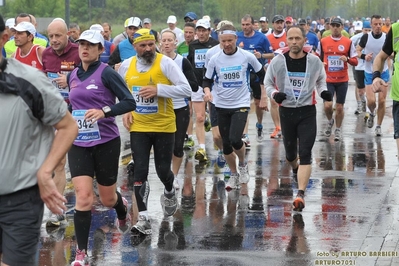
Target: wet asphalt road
[[351, 214]]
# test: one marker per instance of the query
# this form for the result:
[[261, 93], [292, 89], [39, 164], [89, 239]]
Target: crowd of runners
[[166, 85]]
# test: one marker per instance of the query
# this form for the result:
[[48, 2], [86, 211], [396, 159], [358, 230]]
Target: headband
[[143, 35], [228, 32]]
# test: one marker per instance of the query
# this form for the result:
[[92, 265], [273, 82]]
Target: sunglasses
[[335, 25], [188, 20]]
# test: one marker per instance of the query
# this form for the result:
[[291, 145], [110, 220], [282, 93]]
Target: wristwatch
[[107, 111]]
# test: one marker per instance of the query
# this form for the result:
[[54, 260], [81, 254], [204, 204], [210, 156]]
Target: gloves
[[326, 95], [279, 97]]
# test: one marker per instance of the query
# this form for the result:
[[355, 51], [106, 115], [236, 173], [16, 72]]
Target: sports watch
[[107, 111]]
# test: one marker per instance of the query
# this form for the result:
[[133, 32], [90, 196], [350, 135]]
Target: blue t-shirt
[[257, 42], [312, 40]]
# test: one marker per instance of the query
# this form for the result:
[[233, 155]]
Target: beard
[[147, 58]]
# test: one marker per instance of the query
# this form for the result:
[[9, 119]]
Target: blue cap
[[191, 15], [366, 25], [308, 18]]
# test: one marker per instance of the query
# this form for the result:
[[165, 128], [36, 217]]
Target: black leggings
[[298, 124], [231, 126], [182, 121]]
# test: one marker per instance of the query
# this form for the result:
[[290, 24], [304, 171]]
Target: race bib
[[87, 131], [297, 80], [199, 58], [63, 91], [231, 77], [144, 106], [334, 63]]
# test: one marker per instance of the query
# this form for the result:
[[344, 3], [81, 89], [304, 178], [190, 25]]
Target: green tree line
[[116, 11]]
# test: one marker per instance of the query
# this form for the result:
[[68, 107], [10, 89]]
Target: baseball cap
[[216, 21], [146, 20], [358, 25], [302, 21], [314, 22], [190, 15], [97, 27], [10, 23], [336, 21], [366, 25], [289, 19], [25, 26], [203, 23], [171, 19], [277, 18], [133, 21], [92, 36], [263, 19], [327, 20], [222, 23], [207, 18], [308, 18]]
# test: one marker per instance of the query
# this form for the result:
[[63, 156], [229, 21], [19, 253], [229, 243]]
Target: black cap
[[336, 21], [277, 18], [302, 21], [2, 24], [327, 20], [216, 21]]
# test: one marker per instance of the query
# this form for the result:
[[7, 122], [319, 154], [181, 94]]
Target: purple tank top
[[91, 94]]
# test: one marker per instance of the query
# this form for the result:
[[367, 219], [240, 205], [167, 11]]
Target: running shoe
[[370, 121], [81, 258], [56, 220], [188, 143], [246, 141], [124, 225], [359, 108], [299, 203], [378, 132], [143, 226], [200, 155], [221, 161], [328, 130], [169, 203], [226, 172], [276, 133], [259, 131]]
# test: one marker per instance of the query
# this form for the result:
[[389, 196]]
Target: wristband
[[376, 74], [363, 56]]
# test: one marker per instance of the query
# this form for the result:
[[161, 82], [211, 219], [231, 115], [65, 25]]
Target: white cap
[[358, 25], [92, 36], [203, 23], [25, 26], [206, 17], [222, 23], [97, 27], [10, 23], [171, 19], [264, 19], [133, 21]]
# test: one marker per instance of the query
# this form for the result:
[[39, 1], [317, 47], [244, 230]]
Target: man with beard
[[292, 80], [125, 48], [336, 51], [153, 80]]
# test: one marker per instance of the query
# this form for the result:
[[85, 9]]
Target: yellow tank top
[[155, 114]]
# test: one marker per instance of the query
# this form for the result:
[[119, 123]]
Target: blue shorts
[[368, 77]]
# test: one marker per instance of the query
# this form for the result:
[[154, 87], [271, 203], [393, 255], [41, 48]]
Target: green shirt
[[328, 33], [182, 49], [395, 78]]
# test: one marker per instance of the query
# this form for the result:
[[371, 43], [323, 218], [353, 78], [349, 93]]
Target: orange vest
[[336, 70], [277, 43]]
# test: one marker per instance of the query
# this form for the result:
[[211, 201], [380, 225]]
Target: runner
[[95, 152], [153, 79], [292, 79], [336, 51]]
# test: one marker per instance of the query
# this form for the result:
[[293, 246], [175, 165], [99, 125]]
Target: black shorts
[[101, 161], [359, 77], [338, 89], [21, 215], [255, 85]]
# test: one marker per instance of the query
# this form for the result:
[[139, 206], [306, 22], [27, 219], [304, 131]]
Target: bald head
[[57, 32], [33, 20]]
